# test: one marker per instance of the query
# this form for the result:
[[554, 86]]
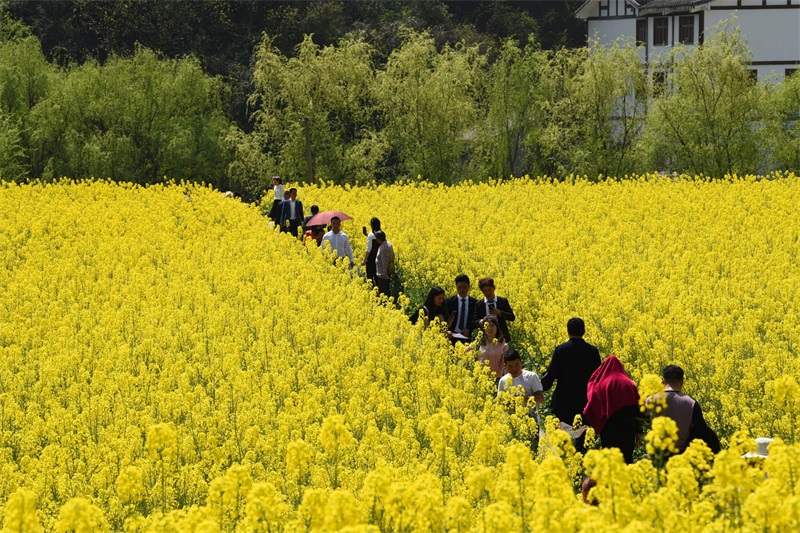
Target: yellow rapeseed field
[[703, 274], [169, 363]]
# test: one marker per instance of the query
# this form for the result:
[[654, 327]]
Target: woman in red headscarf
[[612, 408]]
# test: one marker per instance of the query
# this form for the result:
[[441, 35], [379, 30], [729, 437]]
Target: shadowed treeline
[[349, 113]]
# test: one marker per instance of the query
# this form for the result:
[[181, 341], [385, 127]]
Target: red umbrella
[[320, 219]]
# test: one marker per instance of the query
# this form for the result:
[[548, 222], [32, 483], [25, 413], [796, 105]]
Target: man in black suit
[[572, 365], [291, 213], [494, 305], [461, 308]]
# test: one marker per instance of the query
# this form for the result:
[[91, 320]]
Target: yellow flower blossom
[[130, 488], [20, 513], [179, 366], [79, 515], [662, 437]]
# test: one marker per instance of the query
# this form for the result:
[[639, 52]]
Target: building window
[[641, 32], [660, 31], [789, 72], [753, 73], [686, 29]]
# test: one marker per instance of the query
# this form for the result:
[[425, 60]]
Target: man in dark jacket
[[291, 213], [314, 212], [572, 365], [461, 308], [494, 305]]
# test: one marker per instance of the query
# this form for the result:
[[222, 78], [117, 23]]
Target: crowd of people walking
[[599, 391]]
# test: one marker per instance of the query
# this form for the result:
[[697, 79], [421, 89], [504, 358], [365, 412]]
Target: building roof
[[644, 7], [651, 6]]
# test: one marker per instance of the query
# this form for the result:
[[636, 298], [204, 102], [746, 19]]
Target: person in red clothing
[[314, 234], [612, 407]]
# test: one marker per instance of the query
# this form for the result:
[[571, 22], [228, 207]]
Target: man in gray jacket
[[685, 411]]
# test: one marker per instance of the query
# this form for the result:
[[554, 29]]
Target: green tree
[[428, 100], [516, 112], [11, 29], [25, 79], [249, 168], [598, 108], [12, 155], [25, 76], [137, 119], [709, 118], [785, 124], [327, 93]]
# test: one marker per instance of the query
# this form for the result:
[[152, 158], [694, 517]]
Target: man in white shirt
[[519, 377], [338, 241]]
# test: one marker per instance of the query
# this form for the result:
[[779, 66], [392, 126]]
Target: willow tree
[[135, 119], [598, 106], [429, 104], [316, 105], [516, 112], [785, 124], [709, 118], [25, 80]]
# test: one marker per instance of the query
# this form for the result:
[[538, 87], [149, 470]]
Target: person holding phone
[[372, 248], [384, 264]]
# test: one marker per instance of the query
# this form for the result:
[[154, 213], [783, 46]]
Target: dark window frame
[[641, 32], [686, 29], [660, 31]]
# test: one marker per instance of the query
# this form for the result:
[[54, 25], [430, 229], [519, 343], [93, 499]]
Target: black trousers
[[620, 431], [275, 212], [384, 286], [292, 227]]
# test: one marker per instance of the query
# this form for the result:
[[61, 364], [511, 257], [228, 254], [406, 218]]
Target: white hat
[[762, 443]]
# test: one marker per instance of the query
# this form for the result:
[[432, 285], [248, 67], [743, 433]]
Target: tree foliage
[[428, 101], [327, 91], [784, 113], [356, 109], [138, 119], [25, 78], [710, 117], [597, 118], [515, 111]]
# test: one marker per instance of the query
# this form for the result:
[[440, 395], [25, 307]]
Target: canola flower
[[168, 362], [689, 271]]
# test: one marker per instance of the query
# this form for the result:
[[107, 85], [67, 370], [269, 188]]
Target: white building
[[772, 27]]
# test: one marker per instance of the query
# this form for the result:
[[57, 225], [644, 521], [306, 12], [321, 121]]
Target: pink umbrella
[[320, 219]]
